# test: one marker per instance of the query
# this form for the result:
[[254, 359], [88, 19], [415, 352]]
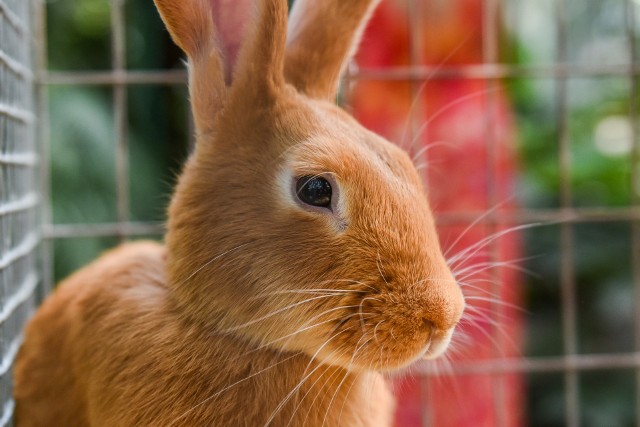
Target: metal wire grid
[[19, 235], [118, 78], [570, 363]]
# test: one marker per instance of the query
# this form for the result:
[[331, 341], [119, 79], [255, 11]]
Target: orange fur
[[117, 352], [253, 294]]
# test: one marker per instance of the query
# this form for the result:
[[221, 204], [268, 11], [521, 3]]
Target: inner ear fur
[[260, 69], [323, 35], [248, 56], [191, 25]]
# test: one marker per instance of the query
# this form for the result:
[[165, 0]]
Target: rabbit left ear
[[259, 71], [227, 48], [323, 35]]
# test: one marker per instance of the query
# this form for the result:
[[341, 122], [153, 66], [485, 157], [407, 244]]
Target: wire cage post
[[19, 233]]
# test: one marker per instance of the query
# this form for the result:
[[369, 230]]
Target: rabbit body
[[109, 348], [301, 257]]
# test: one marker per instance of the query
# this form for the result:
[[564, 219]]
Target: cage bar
[[415, 131], [490, 56], [19, 237], [562, 364], [634, 184], [120, 112], [42, 134], [417, 73]]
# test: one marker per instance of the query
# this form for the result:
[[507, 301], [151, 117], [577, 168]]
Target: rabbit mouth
[[437, 345], [382, 351]]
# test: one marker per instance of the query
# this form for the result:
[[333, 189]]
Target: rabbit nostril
[[428, 324]]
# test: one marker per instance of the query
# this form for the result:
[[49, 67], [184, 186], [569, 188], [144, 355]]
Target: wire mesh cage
[[518, 112], [19, 234]]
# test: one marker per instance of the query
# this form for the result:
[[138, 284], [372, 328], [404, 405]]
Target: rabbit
[[300, 264]]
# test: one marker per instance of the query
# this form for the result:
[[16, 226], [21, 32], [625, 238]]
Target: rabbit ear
[[323, 35], [259, 73], [212, 33]]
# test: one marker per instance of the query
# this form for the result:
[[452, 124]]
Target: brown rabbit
[[301, 258]]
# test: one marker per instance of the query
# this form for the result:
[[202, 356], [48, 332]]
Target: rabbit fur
[[258, 309]]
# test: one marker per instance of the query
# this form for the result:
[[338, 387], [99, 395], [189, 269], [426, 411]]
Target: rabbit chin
[[392, 359]]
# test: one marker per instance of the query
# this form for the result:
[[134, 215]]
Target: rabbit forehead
[[338, 142]]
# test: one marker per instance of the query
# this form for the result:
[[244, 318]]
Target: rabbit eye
[[314, 191]]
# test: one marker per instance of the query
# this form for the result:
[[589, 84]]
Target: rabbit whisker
[[474, 321], [447, 107], [460, 340], [303, 290], [475, 222], [367, 396], [233, 385], [305, 327], [273, 313], [315, 291], [421, 166], [371, 383], [357, 282], [346, 374], [318, 175], [479, 315], [326, 378], [427, 148], [326, 385], [303, 380], [473, 249], [417, 95], [471, 287], [434, 279], [482, 330], [215, 258], [392, 335], [375, 331], [379, 265], [361, 308], [487, 312], [497, 302], [480, 267], [298, 331]]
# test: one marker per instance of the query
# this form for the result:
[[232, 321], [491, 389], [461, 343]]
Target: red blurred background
[[461, 132]]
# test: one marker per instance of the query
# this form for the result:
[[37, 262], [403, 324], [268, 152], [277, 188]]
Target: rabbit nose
[[444, 306], [428, 324]]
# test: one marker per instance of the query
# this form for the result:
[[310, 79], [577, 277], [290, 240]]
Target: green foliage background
[[82, 123]]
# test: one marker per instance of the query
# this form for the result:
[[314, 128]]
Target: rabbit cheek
[[408, 337], [381, 334], [401, 331]]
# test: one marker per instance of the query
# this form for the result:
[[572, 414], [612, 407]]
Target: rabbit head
[[292, 226]]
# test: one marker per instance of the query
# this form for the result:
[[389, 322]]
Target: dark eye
[[314, 191]]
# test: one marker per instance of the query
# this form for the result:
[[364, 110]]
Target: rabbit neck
[[295, 389]]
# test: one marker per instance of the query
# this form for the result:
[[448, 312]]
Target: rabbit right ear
[[210, 32], [323, 34]]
